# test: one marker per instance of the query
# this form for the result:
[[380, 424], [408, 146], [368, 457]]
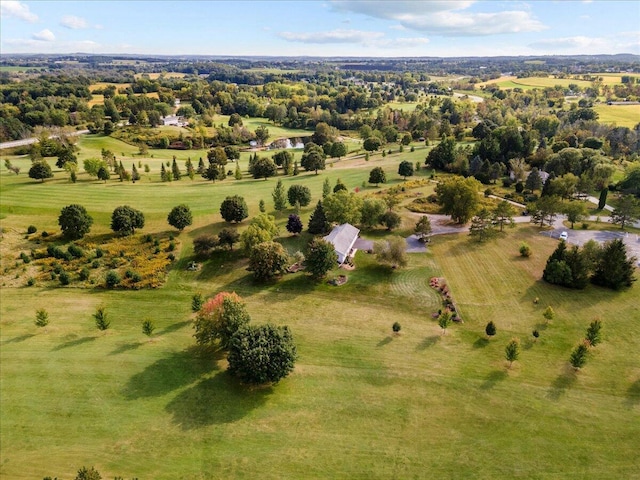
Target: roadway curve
[[29, 141]]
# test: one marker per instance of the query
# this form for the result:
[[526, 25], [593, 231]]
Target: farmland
[[361, 403]]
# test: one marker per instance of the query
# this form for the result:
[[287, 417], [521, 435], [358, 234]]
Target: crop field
[[621, 115], [362, 403], [542, 82]]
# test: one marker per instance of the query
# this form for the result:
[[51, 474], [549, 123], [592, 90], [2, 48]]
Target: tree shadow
[[173, 327], [19, 338], [73, 343], [493, 378], [172, 372], [633, 394], [214, 400], [481, 342], [562, 382], [428, 342], [125, 347], [384, 341]]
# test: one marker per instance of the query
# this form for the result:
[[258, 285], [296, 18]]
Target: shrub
[[42, 318], [95, 264], [396, 327], [196, 302], [31, 282], [84, 274], [148, 327], [31, 229], [44, 234], [75, 251], [112, 279], [525, 250], [101, 318], [24, 257], [99, 253], [65, 279]]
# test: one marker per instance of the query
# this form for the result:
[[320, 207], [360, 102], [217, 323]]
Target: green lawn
[[620, 115], [361, 403]]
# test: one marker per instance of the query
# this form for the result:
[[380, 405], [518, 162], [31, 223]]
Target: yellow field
[[542, 82], [98, 99], [621, 115]]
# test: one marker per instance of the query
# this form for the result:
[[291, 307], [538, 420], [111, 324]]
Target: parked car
[[564, 236]]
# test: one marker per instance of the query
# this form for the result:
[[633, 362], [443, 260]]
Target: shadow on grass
[[428, 342], [73, 343], [174, 327], [384, 341], [20, 338], [493, 378], [172, 372], [633, 394], [562, 383], [219, 399], [125, 347], [481, 342]]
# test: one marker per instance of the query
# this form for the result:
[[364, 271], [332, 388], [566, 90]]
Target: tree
[[481, 228], [602, 201], [377, 176], [525, 250], [628, 211], [234, 209], [313, 159], [443, 155], [279, 197], [544, 210], [175, 170], [458, 197], [320, 257], [372, 211], [339, 186], [396, 327], [503, 213], [614, 268], [372, 144], [343, 207], [283, 159], [390, 220], [217, 156], [203, 244], [191, 172], [135, 176], [512, 351], [180, 217], [294, 224], [422, 228], [42, 318], [228, 237], [65, 155], [575, 212], [264, 168], [490, 329], [74, 221], [101, 318], [339, 149], [267, 260], [148, 327], [219, 319], [103, 173], [125, 220], [40, 171], [196, 302], [88, 474], [578, 357], [262, 134], [213, 172], [392, 251], [534, 181], [261, 229], [593, 333], [232, 152], [548, 313], [405, 169], [444, 320], [318, 223], [262, 354], [299, 194], [326, 188]]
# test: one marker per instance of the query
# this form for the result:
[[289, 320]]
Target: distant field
[[6, 68], [156, 75], [621, 115], [542, 82]]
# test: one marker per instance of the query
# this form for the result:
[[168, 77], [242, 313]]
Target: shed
[[343, 237]]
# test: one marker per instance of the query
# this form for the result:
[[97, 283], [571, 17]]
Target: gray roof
[[342, 238]]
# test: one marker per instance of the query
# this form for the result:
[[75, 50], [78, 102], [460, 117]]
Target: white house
[[343, 237]]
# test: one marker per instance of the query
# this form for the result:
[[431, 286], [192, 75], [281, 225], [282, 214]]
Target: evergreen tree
[[614, 269], [163, 174], [481, 228], [533, 182], [593, 333], [135, 176], [175, 170], [512, 351], [191, 173], [579, 356], [318, 223], [238, 173], [326, 188], [602, 202], [201, 166], [279, 197]]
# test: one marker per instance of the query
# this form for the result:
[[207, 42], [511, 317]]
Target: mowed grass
[[620, 115], [361, 403]]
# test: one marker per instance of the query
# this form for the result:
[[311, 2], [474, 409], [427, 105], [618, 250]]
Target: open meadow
[[362, 402]]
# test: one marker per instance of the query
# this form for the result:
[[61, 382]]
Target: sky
[[321, 28]]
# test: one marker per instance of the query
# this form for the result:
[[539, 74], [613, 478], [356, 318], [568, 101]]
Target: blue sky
[[321, 28]]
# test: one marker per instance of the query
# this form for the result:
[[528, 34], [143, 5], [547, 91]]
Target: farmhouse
[[343, 237]]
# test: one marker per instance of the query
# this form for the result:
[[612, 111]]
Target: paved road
[[29, 141]]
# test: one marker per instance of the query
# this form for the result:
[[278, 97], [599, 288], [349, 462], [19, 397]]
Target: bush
[[65, 279], [84, 274], [25, 258], [396, 327], [99, 253], [95, 264], [196, 302], [31, 282], [488, 192], [112, 279], [44, 234], [75, 251], [31, 229], [101, 318], [525, 250]]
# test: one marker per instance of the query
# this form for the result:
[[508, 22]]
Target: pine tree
[[593, 333], [191, 173], [318, 223], [326, 188], [163, 174], [135, 176], [614, 269], [238, 172], [121, 171], [201, 166], [279, 197], [512, 351], [175, 170]]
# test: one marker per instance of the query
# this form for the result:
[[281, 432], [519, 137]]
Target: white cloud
[[334, 36], [73, 22], [38, 46], [45, 35], [11, 8], [445, 18]]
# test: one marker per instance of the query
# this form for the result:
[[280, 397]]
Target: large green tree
[[614, 269], [423, 228], [219, 318], [459, 197], [503, 214], [299, 194], [627, 211], [343, 207], [74, 221], [392, 251], [180, 217], [313, 159], [125, 220], [264, 168], [320, 258], [372, 211], [405, 169], [234, 209], [262, 354], [40, 170], [267, 260], [318, 223], [377, 176]]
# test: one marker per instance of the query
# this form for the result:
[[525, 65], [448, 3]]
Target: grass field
[[361, 403], [542, 82], [621, 115]]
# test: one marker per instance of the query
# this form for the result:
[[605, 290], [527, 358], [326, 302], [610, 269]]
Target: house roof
[[342, 238]]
